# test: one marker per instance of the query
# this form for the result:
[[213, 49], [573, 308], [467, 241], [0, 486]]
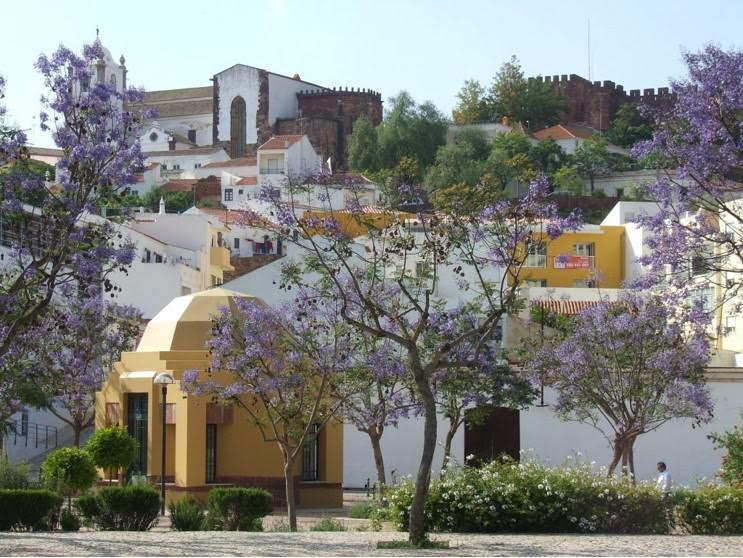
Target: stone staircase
[[247, 265]]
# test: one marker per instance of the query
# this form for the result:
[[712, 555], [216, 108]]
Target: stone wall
[[323, 134], [597, 102]]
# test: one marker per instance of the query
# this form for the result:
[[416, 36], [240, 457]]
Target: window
[[238, 130], [729, 325], [620, 192], [113, 80], [147, 255], [311, 456], [228, 194], [176, 166], [158, 258], [236, 243], [535, 283], [584, 284], [240, 192], [583, 249], [197, 165], [211, 453], [706, 295], [153, 137], [537, 254], [192, 136]]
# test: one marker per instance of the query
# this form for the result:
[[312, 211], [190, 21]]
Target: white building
[[571, 136]]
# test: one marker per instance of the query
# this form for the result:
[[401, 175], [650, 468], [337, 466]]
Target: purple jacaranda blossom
[[383, 276], [54, 240], [284, 366], [698, 138], [629, 366], [83, 335]]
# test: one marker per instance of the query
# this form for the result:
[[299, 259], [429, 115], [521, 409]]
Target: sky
[[427, 48]]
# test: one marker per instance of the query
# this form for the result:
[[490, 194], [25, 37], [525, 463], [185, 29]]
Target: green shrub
[[187, 515], [328, 524], [28, 510], [362, 510], [528, 497], [112, 448], [121, 508], [68, 521], [732, 463], [69, 471], [88, 507], [710, 510], [238, 509], [13, 475]]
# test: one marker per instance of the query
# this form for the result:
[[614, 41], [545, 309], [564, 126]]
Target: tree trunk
[[77, 429], [616, 456], [631, 458], [417, 527], [592, 186], [291, 508], [453, 427], [379, 462]]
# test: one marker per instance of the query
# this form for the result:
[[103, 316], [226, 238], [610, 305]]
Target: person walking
[[663, 483]]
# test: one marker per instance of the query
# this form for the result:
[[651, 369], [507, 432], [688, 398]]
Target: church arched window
[[237, 128], [113, 80]]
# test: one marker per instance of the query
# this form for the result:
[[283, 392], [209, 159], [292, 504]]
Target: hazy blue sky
[[426, 47]]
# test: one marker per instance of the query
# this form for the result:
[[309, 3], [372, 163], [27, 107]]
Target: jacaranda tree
[[284, 367], [83, 336], [699, 228], [628, 367], [48, 237], [384, 278]]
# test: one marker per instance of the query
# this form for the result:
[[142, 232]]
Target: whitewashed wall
[[240, 81], [282, 96]]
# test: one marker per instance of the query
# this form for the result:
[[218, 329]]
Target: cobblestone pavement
[[350, 543]]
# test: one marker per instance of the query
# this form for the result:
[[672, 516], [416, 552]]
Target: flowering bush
[[529, 497], [711, 510]]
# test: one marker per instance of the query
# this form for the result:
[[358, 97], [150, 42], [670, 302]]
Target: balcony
[[536, 260], [220, 257], [271, 171]]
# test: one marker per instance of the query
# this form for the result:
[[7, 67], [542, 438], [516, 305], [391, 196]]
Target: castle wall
[[596, 103]]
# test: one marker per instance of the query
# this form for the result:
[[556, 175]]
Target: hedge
[[710, 510], [121, 508], [29, 509], [238, 509]]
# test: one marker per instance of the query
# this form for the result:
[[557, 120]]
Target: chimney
[[286, 144], [162, 206], [171, 143]]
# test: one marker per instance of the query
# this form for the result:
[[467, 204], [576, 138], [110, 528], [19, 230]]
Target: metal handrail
[[35, 432]]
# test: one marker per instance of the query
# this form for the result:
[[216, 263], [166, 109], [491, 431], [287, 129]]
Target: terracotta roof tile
[[184, 152], [248, 181], [281, 142], [565, 131], [239, 162]]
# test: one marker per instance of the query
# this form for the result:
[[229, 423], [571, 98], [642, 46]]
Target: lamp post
[[163, 379]]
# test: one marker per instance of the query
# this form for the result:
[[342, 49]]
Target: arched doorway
[[237, 128]]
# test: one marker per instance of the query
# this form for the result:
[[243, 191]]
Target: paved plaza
[[354, 543]]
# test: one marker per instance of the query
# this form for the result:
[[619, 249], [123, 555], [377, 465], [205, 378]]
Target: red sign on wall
[[571, 262]]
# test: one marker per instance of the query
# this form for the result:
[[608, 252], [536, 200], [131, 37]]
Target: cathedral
[[245, 106]]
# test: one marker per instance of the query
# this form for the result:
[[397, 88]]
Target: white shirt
[[664, 481]]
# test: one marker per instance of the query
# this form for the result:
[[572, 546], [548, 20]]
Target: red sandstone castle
[[595, 103]]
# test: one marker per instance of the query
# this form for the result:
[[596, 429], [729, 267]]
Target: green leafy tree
[[69, 471], [472, 105], [363, 146], [112, 448], [592, 159], [509, 160], [532, 102], [629, 127], [547, 156], [567, 179], [410, 130], [732, 464]]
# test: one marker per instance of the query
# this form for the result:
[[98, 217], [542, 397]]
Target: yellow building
[[206, 444], [590, 257]]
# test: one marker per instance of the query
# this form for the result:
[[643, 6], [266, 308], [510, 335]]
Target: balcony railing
[[272, 171], [536, 260]]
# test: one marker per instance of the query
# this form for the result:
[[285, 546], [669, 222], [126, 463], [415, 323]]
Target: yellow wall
[[608, 262], [241, 449]]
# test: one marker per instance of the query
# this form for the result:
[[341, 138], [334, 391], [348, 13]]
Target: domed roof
[[185, 323]]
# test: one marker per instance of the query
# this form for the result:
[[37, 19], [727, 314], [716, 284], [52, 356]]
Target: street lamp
[[163, 379]]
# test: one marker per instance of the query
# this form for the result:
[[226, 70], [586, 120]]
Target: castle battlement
[[344, 91]]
